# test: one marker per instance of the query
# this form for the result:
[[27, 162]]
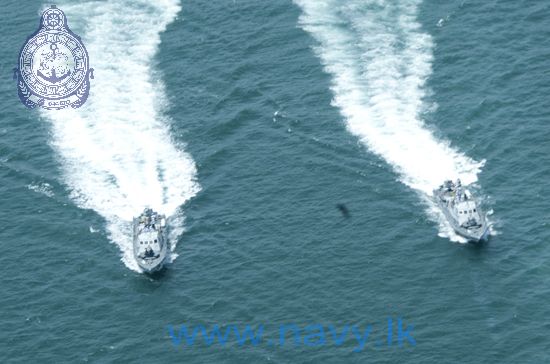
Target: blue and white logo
[[54, 70]]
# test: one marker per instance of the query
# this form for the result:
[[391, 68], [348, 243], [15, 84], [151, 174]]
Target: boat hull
[[152, 266], [150, 246], [473, 235]]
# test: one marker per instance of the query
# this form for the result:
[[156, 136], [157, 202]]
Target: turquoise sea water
[[248, 122]]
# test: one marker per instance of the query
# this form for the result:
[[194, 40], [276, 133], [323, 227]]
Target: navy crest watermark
[[54, 70]]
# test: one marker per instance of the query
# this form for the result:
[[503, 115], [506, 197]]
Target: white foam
[[42, 187], [379, 59], [116, 151]]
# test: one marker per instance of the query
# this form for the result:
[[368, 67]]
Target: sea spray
[[379, 59], [116, 153]]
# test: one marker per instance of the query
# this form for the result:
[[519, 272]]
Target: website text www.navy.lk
[[395, 333]]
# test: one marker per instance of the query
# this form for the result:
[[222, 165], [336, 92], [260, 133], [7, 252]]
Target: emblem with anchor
[[54, 70]]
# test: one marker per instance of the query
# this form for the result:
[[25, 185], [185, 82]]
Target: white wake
[[116, 151], [379, 59]]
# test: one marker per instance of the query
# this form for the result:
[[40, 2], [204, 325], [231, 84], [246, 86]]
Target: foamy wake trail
[[379, 60], [116, 151]]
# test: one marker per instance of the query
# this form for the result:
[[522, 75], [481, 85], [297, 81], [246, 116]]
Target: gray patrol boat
[[462, 211], [150, 243]]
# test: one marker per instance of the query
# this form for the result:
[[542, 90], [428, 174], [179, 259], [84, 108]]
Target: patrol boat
[[150, 244], [462, 211]]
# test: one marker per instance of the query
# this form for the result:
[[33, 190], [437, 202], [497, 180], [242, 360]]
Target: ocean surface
[[247, 123]]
